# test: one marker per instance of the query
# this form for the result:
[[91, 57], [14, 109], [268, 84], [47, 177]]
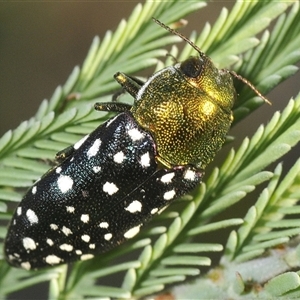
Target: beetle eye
[[192, 67]]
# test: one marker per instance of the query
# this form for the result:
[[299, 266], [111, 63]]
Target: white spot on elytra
[[70, 209], [169, 195], [167, 178], [34, 190], [96, 169], [85, 218], [132, 232], [86, 256], [189, 175], [135, 134], [66, 230], [29, 243], [145, 160], [26, 265], [11, 257], [53, 226], [154, 211], [103, 225], [49, 242], [86, 238], [134, 206], [66, 247], [78, 252], [119, 157], [19, 211], [31, 216], [64, 183], [58, 170], [110, 188], [80, 142], [92, 246], [94, 148], [107, 236], [52, 259]]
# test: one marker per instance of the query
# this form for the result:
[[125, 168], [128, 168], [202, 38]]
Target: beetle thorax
[[189, 127]]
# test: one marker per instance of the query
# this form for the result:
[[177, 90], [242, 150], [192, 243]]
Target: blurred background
[[41, 42]]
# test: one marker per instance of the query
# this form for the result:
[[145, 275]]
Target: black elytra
[[99, 196]]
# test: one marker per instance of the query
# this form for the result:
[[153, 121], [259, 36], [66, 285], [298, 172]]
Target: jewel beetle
[[112, 181]]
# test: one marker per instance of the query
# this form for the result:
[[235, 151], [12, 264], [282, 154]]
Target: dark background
[[41, 42]]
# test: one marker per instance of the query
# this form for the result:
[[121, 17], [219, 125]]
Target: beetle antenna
[[175, 32], [250, 85]]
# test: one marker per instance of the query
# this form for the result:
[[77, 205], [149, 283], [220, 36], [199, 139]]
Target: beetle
[[112, 181]]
